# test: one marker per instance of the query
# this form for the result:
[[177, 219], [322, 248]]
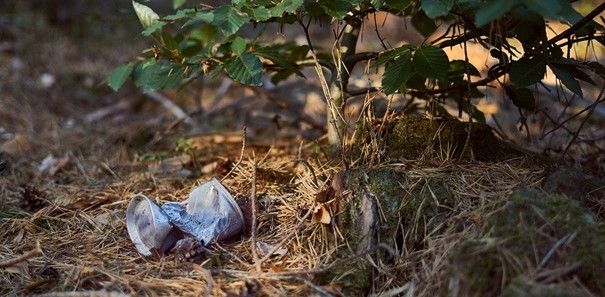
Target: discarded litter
[[209, 214]]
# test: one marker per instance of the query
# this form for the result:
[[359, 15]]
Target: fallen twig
[[253, 224], [241, 156], [101, 293], [28, 255], [177, 111]]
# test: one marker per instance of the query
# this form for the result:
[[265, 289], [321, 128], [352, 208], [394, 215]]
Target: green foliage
[[119, 76], [205, 41], [397, 73], [431, 62], [436, 8]]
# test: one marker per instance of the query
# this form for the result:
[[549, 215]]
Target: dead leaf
[[209, 168], [321, 214], [276, 268], [173, 166], [266, 248], [18, 237], [105, 218]]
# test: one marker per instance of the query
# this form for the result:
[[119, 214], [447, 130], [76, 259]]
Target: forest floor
[[73, 153]]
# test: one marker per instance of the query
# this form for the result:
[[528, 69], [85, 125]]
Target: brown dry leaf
[[209, 168], [321, 214], [265, 248], [173, 166], [19, 237], [275, 268]]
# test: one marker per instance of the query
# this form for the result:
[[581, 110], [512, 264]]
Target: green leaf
[[146, 15], [119, 76], [278, 54], [569, 14], [313, 9], [286, 6], [398, 5], [436, 8], [178, 3], [226, 18], [527, 71], [200, 17], [280, 76], [431, 62], [531, 29], [377, 4], [392, 54], [337, 8], [169, 42], [597, 68], [260, 13], [245, 69], [188, 12], [423, 24], [547, 8], [151, 75], [229, 20], [238, 45], [567, 79], [458, 68], [492, 10], [416, 82], [397, 73], [521, 97], [153, 28]]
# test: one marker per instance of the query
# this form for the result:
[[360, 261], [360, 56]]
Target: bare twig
[[253, 224], [241, 156], [221, 91], [101, 293], [28, 255], [177, 111]]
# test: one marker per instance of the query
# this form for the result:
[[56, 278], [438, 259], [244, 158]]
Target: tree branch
[[353, 59], [499, 71]]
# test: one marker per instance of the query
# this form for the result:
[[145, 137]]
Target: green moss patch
[[392, 214], [413, 137], [549, 237]]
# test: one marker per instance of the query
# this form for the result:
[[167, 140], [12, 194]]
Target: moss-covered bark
[[412, 137], [517, 242]]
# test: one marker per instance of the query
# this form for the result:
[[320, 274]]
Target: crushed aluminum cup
[[147, 224], [209, 214]]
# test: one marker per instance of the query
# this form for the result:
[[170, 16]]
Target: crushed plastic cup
[[209, 214], [147, 224]]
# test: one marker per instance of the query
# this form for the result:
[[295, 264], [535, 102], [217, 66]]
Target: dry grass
[[82, 233], [88, 248]]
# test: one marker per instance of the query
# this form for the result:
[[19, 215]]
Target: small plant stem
[[257, 264], [344, 49]]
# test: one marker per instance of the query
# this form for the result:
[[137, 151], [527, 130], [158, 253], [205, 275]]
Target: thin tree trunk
[[337, 127]]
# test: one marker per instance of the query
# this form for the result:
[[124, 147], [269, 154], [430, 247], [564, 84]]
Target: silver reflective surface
[[209, 214]]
